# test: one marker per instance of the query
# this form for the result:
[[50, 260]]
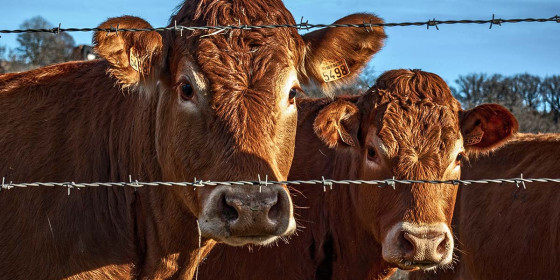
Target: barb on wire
[[391, 183], [326, 183], [300, 26], [261, 182], [323, 182], [432, 23], [134, 184], [495, 21], [70, 185], [520, 181], [303, 25]]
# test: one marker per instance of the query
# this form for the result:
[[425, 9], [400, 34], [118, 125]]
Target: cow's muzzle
[[411, 246], [239, 215]]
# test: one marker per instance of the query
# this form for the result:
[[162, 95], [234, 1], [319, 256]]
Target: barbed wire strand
[[323, 182], [300, 26]]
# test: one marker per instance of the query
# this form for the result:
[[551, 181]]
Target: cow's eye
[[292, 95], [371, 153], [187, 91], [459, 159]]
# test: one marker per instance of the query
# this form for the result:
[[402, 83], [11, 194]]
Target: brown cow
[[507, 232], [407, 126], [165, 106]]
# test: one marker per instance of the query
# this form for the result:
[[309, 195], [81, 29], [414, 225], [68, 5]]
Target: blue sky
[[451, 51]]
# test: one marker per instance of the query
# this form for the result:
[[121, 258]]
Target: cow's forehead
[[423, 127], [246, 60], [238, 59], [232, 12], [238, 12], [419, 140]]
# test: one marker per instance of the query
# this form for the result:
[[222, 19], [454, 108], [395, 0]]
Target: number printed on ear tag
[[332, 70]]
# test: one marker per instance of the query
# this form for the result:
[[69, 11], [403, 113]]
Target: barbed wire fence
[[300, 26], [326, 183]]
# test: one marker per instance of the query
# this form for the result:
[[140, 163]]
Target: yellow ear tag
[[134, 61], [474, 137], [332, 70], [346, 138]]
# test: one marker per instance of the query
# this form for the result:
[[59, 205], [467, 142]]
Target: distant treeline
[[534, 100], [37, 49]]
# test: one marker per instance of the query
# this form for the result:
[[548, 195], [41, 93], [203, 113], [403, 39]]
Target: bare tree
[[41, 49], [528, 87], [471, 91], [550, 90], [2, 59]]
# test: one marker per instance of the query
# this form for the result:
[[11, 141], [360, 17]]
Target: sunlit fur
[[241, 110], [416, 120], [123, 115], [413, 121], [505, 231]]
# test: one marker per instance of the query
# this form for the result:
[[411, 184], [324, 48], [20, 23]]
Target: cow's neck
[[166, 230], [309, 200], [170, 233], [172, 246], [94, 132], [89, 130], [132, 138], [336, 231], [311, 156], [354, 248]]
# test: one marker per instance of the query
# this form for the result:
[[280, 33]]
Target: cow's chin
[[246, 240], [411, 266], [221, 233]]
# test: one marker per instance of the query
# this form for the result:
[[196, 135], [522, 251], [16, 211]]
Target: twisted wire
[[323, 182], [300, 26]]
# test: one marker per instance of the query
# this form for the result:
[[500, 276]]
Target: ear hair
[[487, 127], [338, 123], [134, 57], [336, 56]]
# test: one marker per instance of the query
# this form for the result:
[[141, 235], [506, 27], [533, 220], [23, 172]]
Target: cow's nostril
[[229, 212], [442, 247], [425, 246], [407, 245], [275, 212], [245, 212]]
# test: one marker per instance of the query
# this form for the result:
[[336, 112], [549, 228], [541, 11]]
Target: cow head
[[226, 102], [408, 126]]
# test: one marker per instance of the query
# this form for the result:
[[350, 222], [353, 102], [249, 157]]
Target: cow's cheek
[[197, 198], [375, 204], [286, 144], [366, 208]]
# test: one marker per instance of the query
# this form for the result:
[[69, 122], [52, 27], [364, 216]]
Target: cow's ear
[[487, 127], [338, 123], [135, 58], [336, 56]]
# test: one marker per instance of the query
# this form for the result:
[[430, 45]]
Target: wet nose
[[424, 248], [261, 211]]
